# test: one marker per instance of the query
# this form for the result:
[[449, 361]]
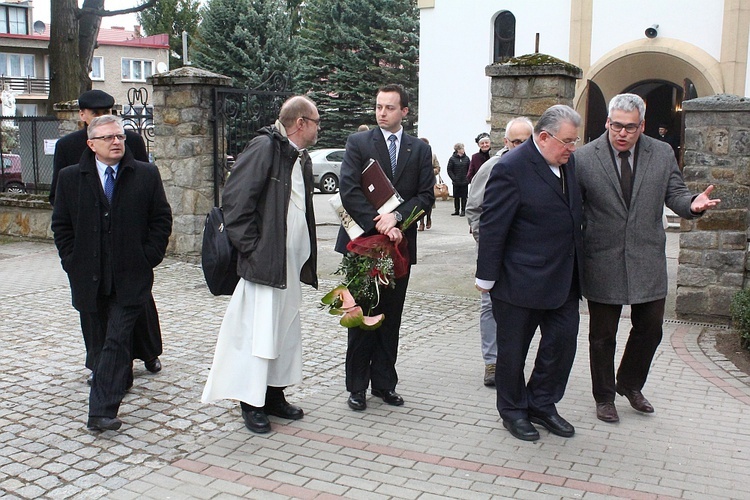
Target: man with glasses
[[517, 131], [111, 223], [68, 151], [530, 256], [268, 215], [626, 178]]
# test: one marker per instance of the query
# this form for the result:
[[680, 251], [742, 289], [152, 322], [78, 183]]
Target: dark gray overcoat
[[625, 249]]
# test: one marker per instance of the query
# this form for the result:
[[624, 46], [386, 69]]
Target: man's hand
[[702, 202], [395, 235], [481, 289], [385, 222]]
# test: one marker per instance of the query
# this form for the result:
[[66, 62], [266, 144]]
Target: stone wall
[[527, 86], [184, 148], [712, 262]]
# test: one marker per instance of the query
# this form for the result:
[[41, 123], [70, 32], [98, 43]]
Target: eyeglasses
[[314, 120], [110, 137], [630, 128], [566, 144], [516, 142]]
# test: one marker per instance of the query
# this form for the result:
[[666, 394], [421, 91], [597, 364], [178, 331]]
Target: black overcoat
[[141, 222]]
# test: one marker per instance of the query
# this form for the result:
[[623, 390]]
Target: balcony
[[26, 86]]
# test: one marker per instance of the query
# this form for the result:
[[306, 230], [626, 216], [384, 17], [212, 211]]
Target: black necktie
[[626, 177]]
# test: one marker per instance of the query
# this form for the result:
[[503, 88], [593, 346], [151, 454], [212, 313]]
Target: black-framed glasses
[[110, 137], [516, 142], [314, 120], [566, 144], [630, 128]]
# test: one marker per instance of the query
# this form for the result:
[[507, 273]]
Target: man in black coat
[[111, 222], [68, 150], [530, 255], [371, 355]]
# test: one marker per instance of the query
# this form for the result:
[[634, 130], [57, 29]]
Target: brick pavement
[[445, 442]]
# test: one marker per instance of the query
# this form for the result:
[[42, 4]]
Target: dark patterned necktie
[[626, 176], [392, 152], [109, 183]]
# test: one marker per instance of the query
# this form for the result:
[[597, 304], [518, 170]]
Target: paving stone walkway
[[447, 441]]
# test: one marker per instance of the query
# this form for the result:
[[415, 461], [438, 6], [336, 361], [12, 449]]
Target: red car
[[10, 174]]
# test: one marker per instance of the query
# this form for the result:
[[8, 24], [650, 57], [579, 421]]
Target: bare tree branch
[[110, 13]]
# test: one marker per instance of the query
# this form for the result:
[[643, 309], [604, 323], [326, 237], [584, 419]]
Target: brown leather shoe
[[489, 375], [636, 398], [606, 412]]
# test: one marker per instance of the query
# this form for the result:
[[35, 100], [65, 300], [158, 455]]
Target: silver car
[[326, 166]]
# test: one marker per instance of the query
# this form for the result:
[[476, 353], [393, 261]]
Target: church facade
[[666, 52]]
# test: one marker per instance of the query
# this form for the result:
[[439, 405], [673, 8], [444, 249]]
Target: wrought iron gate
[[238, 115], [138, 115]]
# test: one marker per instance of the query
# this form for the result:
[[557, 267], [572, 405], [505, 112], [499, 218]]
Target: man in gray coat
[[625, 179]]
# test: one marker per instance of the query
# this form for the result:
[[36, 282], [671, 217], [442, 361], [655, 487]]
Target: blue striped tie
[[109, 183], [392, 152]]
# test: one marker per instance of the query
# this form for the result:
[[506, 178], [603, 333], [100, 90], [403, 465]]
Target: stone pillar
[[712, 261], [67, 114], [527, 86], [183, 146]]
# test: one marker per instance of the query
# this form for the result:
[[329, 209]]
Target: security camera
[[651, 31]]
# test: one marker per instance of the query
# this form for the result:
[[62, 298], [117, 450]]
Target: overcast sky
[[42, 13]]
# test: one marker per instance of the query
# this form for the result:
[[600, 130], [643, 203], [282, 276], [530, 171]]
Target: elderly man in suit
[[407, 161], [517, 131], [625, 179], [147, 344], [530, 256], [111, 223]]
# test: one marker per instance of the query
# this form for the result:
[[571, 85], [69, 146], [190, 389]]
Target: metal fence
[[238, 115], [28, 145]]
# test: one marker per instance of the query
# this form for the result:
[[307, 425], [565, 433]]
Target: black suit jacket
[[414, 181], [530, 231], [69, 148], [140, 222]]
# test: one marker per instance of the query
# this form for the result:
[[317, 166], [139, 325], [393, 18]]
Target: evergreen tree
[[173, 17], [350, 48], [247, 40]]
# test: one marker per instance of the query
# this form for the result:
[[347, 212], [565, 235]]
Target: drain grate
[[695, 323]]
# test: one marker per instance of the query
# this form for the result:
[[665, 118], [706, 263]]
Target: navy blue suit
[[531, 246], [371, 355]]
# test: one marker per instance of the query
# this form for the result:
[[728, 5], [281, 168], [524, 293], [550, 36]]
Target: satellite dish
[[161, 67], [39, 27]]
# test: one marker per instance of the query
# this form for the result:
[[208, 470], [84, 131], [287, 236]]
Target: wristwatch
[[398, 215]]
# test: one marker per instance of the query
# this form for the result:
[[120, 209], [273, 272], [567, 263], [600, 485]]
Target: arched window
[[505, 36]]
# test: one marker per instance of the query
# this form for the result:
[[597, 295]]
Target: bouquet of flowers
[[371, 264]]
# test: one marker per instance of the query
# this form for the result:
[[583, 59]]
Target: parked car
[[326, 165], [10, 174]]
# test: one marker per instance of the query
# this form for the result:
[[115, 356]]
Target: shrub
[[740, 309]]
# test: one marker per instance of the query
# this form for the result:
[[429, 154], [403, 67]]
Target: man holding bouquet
[[407, 162]]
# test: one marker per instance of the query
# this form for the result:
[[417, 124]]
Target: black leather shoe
[[103, 424], [284, 410], [256, 421], [522, 429], [555, 424], [391, 397], [154, 365], [636, 398], [454, 213], [357, 401]]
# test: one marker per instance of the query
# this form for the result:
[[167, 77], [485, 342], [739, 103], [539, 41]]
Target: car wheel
[[14, 187], [329, 184]]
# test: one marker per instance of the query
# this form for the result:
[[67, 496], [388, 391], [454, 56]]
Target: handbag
[[440, 189], [218, 255]]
